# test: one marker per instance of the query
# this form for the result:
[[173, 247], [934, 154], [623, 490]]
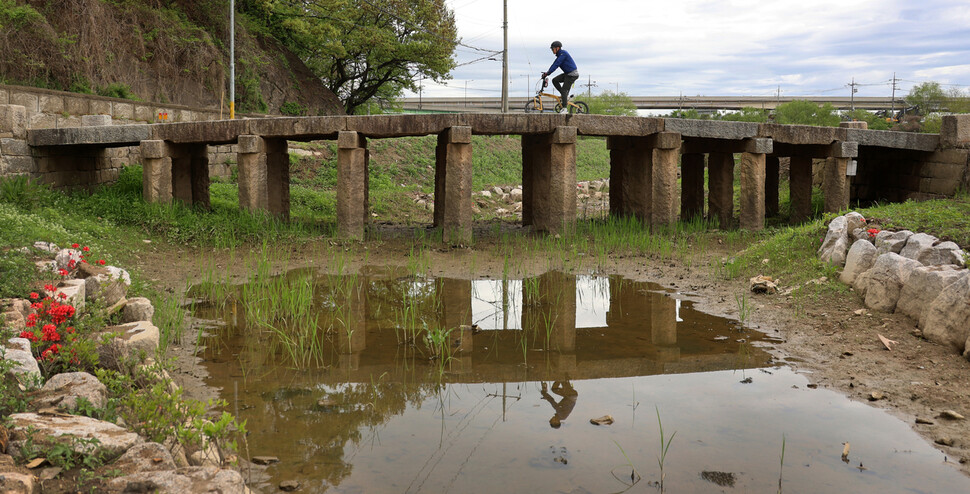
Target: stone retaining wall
[[49, 109]]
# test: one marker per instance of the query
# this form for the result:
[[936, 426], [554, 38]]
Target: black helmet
[[555, 44]]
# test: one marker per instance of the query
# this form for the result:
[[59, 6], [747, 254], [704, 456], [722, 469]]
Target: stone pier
[[692, 186], [643, 177], [720, 185], [549, 180], [800, 188], [453, 185], [352, 184], [175, 172], [264, 175], [752, 196]]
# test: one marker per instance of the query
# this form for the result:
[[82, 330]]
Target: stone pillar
[[456, 311], [772, 172], [453, 185], [692, 186], [531, 145], [720, 199], [631, 177], [156, 175], [190, 173], [264, 175], [550, 312], [352, 179], [800, 188], [834, 185], [550, 175], [753, 183], [278, 178], [666, 154]]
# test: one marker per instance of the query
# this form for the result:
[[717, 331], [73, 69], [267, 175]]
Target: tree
[[610, 103], [928, 97], [364, 50], [746, 114], [804, 112]]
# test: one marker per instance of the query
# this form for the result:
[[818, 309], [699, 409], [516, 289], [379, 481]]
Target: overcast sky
[[717, 47]]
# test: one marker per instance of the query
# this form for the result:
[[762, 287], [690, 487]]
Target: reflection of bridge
[[641, 332], [476, 104], [646, 157]]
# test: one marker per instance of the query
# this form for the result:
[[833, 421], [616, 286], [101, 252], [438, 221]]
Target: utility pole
[[589, 86], [505, 56], [852, 94], [893, 99], [778, 96], [232, 59]]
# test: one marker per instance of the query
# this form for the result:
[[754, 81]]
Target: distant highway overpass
[[517, 104]]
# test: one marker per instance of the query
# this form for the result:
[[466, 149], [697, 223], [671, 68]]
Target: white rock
[[945, 320], [917, 245], [134, 340], [855, 221], [881, 285], [65, 256], [861, 257], [137, 309], [47, 247], [515, 195], [887, 241], [942, 253], [17, 483], [924, 285], [76, 292], [836, 244], [190, 480], [142, 458], [112, 441], [18, 350], [63, 390]]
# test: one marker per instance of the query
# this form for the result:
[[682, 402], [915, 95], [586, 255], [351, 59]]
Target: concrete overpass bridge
[[487, 105], [646, 157]]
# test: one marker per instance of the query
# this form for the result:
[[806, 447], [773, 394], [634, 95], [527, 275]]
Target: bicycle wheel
[[558, 107], [531, 106], [579, 108]]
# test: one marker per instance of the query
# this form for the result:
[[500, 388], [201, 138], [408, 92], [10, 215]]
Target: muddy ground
[[833, 341]]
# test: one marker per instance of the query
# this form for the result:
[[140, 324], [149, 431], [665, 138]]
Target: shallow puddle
[[416, 384]]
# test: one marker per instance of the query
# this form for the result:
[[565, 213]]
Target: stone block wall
[[44, 108]]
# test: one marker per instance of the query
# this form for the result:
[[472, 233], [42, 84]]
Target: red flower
[[29, 335], [62, 272], [873, 232], [34, 296], [49, 287], [71, 263], [74, 246], [101, 262], [86, 248]]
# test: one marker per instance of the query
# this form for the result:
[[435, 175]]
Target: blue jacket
[[564, 61]]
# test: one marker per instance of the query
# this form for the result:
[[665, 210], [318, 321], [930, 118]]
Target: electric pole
[[589, 86], [893, 99], [505, 56], [852, 94]]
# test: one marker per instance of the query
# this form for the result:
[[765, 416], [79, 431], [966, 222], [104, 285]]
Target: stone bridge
[[645, 157]]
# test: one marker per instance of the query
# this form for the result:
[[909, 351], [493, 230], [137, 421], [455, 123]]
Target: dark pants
[[562, 83]]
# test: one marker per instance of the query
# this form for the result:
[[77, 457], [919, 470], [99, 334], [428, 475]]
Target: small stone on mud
[[876, 396], [604, 420], [950, 414], [265, 460], [326, 402], [289, 485], [747, 380], [813, 386], [944, 440], [860, 312], [50, 473], [923, 421]]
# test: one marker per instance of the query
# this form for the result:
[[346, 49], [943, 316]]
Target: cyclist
[[562, 82]]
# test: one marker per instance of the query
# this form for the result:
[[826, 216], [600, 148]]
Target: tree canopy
[[928, 97], [804, 112], [363, 49], [610, 103]]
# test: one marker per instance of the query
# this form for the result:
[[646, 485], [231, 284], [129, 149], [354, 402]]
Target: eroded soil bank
[[833, 339]]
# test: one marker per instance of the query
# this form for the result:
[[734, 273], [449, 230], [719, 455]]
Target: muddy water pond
[[388, 382]]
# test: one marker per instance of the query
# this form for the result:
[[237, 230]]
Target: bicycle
[[535, 104]]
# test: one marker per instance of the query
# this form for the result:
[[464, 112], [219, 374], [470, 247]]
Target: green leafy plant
[[293, 109], [23, 192]]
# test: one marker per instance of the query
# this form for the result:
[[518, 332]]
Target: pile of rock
[[910, 273], [145, 465]]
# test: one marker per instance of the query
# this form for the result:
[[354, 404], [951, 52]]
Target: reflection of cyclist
[[565, 406], [563, 82]]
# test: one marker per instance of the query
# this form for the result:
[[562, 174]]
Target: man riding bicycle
[[562, 82]]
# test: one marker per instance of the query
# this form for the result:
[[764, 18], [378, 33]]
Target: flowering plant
[[74, 263], [872, 232], [54, 341]]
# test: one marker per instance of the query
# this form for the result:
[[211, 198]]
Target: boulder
[[945, 320], [859, 234], [75, 290], [18, 350], [130, 343], [942, 253], [887, 241], [190, 480], [64, 390], [855, 221], [14, 320], [515, 195], [861, 257], [112, 441], [65, 256], [109, 287], [137, 309], [924, 285], [881, 285], [836, 244], [49, 247], [918, 245], [145, 457], [18, 483]]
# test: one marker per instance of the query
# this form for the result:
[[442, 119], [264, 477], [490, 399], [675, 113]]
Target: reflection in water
[[437, 385]]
